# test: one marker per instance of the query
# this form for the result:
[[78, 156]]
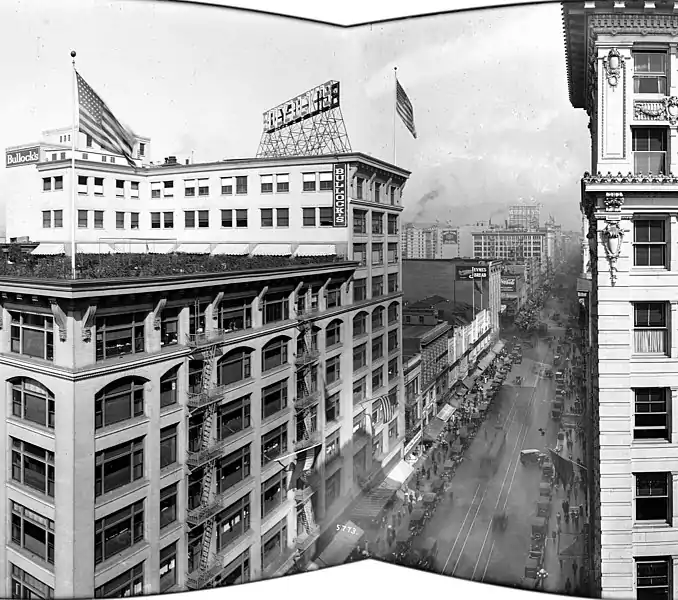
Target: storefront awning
[[315, 250], [371, 505], [446, 413], [272, 250], [487, 361], [468, 382], [434, 429], [48, 249], [498, 347], [231, 249], [149, 247], [398, 475], [341, 546], [94, 249], [194, 248]]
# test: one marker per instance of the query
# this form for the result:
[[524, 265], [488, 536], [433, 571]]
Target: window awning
[[149, 247], [194, 248], [434, 429], [48, 250], [498, 347], [94, 248], [341, 546], [231, 249], [315, 250], [398, 475], [487, 361], [272, 250], [468, 382], [371, 505], [445, 413]]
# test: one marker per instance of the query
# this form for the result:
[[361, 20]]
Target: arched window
[[360, 324], [333, 333], [235, 366], [393, 312], [168, 387], [33, 402], [274, 354], [377, 318], [119, 401]]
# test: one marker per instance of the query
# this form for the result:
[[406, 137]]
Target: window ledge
[[121, 492], [120, 558], [276, 370], [31, 556], [334, 384], [170, 469], [31, 426], [650, 525], [334, 347], [170, 530], [123, 426], [31, 493], [652, 356], [651, 442]]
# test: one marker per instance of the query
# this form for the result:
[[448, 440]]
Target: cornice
[[628, 178], [632, 23]]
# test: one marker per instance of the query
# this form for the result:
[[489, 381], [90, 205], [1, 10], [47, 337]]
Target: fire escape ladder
[[206, 543], [207, 367]]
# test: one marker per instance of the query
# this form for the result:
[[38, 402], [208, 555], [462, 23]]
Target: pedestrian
[[409, 506], [566, 507], [575, 566], [568, 586], [554, 535], [560, 560], [581, 510], [435, 468]]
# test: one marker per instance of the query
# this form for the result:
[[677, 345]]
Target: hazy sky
[[489, 91]]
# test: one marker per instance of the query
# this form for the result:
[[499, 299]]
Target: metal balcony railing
[[304, 541], [310, 439], [305, 399], [307, 357], [204, 455], [200, 399], [201, 513], [307, 312], [304, 494], [204, 338], [200, 578]]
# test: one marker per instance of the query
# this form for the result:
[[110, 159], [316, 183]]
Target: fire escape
[[308, 437], [203, 402]]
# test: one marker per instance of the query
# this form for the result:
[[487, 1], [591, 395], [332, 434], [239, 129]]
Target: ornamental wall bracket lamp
[[613, 64], [614, 201], [612, 237]]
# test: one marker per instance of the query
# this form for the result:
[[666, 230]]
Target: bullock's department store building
[[204, 418]]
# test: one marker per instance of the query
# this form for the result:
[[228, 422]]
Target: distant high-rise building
[[524, 216], [437, 241]]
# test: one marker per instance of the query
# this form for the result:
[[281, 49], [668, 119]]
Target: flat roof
[[124, 273]]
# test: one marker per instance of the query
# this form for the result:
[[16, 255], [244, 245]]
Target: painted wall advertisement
[[339, 194], [450, 237], [471, 272], [25, 156], [509, 284]]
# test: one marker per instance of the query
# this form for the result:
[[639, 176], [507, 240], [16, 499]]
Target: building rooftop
[[125, 266]]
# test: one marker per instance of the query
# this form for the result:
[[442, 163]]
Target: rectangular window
[[227, 186], [266, 184], [168, 505], [134, 189], [168, 220], [241, 184], [653, 500], [98, 219], [392, 253], [653, 578], [46, 219], [189, 188], [326, 216], [325, 181], [392, 283], [156, 187], [359, 390], [168, 446], [32, 335], [650, 327], [235, 316], [59, 183], [33, 467], [267, 217], [24, 585], [82, 219], [393, 224], [377, 347], [393, 430], [649, 150], [377, 285], [360, 221], [142, 150], [649, 72], [98, 186], [308, 181], [232, 523], [226, 218], [282, 181], [273, 399], [309, 215], [46, 184], [273, 493], [155, 220], [377, 191], [393, 196], [360, 253], [241, 217], [233, 469], [118, 335], [359, 290], [118, 531], [649, 245], [332, 447], [119, 188], [282, 216], [359, 357], [203, 187], [332, 489], [332, 408], [82, 184], [168, 189], [377, 378], [119, 220], [377, 253], [233, 417], [359, 188], [203, 219], [393, 313], [377, 223], [333, 334], [168, 567], [33, 532], [273, 444], [134, 220], [130, 583], [276, 308], [118, 466], [189, 219], [333, 370], [651, 414], [333, 295], [274, 544], [392, 369]]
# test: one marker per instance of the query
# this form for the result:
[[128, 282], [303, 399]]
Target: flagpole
[[395, 103], [73, 182]]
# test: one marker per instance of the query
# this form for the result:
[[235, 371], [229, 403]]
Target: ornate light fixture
[[613, 64]]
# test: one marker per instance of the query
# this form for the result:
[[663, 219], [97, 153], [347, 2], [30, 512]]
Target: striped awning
[[231, 249], [315, 250], [45, 249], [272, 250], [149, 247], [94, 248], [194, 248]]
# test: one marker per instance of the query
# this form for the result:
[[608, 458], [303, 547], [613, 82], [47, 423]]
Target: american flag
[[387, 406], [404, 109], [97, 121]]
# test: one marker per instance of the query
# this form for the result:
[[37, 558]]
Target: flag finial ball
[[72, 53]]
